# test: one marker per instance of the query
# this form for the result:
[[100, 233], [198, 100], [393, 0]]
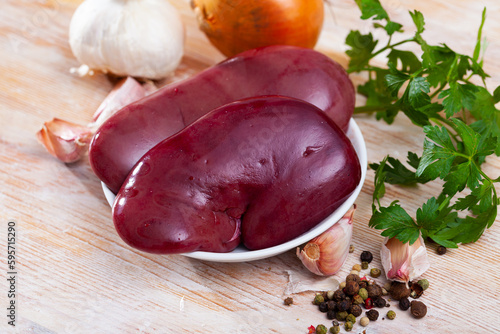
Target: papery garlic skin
[[403, 262], [326, 254], [139, 38]]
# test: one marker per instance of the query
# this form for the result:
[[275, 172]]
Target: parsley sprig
[[459, 119]]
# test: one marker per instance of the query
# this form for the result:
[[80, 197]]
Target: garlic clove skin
[[403, 262], [326, 254], [139, 38], [65, 140]]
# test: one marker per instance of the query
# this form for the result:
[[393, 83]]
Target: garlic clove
[[325, 254], [403, 262], [65, 140], [126, 91]]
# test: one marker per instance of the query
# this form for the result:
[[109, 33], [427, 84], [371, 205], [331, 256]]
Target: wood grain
[[77, 276]]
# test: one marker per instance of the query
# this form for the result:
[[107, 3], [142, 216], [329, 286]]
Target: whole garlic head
[[139, 38]]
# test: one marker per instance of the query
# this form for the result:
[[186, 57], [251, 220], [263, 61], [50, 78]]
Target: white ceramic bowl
[[241, 254]]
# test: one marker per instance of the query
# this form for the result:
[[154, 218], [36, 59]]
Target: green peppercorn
[[348, 326], [351, 318], [335, 329], [318, 299], [363, 293], [424, 284], [321, 329], [391, 315], [364, 265], [357, 299], [341, 315], [375, 272]]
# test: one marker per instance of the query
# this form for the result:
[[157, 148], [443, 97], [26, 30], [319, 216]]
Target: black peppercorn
[[351, 288], [352, 277], [332, 306], [331, 314], [418, 309], [372, 315], [338, 295], [363, 284], [344, 305], [374, 291], [404, 304], [399, 290], [366, 256], [441, 250], [356, 310], [323, 307], [288, 301], [379, 302]]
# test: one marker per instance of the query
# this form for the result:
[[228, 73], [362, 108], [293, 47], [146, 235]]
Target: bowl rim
[[241, 254]]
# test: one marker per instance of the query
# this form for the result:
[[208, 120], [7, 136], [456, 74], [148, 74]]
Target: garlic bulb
[[139, 38], [403, 262], [325, 254]]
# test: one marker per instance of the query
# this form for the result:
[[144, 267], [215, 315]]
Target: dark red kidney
[[262, 171], [276, 70]]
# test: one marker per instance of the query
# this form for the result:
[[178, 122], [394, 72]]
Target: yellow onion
[[325, 254], [233, 26], [403, 262]]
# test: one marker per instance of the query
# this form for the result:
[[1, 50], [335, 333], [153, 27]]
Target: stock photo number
[[11, 273]]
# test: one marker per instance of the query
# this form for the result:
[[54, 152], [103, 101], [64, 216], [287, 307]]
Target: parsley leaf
[[371, 8]]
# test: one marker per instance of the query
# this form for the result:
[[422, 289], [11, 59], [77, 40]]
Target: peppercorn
[[344, 305], [356, 267], [348, 326], [364, 321], [404, 304], [288, 301], [341, 315], [391, 315], [366, 256], [379, 302], [363, 284], [351, 249], [353, 277], [368, 303], [351, 288], [330, 314], [424, 284], [318, 299], [351, 318], [399, 290], [323, 307], [342, 285], [321, 329], [418, 309], [332, 305], [372, 315], [416, 290], [384, 292], [363, 293], [375, 272], [374, 291], [329, 294], [339, 295], [441, 250], [355, 310], [364, 265], [335, 329], [387, 285], [357, 299]]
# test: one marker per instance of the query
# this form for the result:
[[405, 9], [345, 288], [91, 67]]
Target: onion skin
[[234, 26]]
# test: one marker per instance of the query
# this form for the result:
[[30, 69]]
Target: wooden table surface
[[75, 275]]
